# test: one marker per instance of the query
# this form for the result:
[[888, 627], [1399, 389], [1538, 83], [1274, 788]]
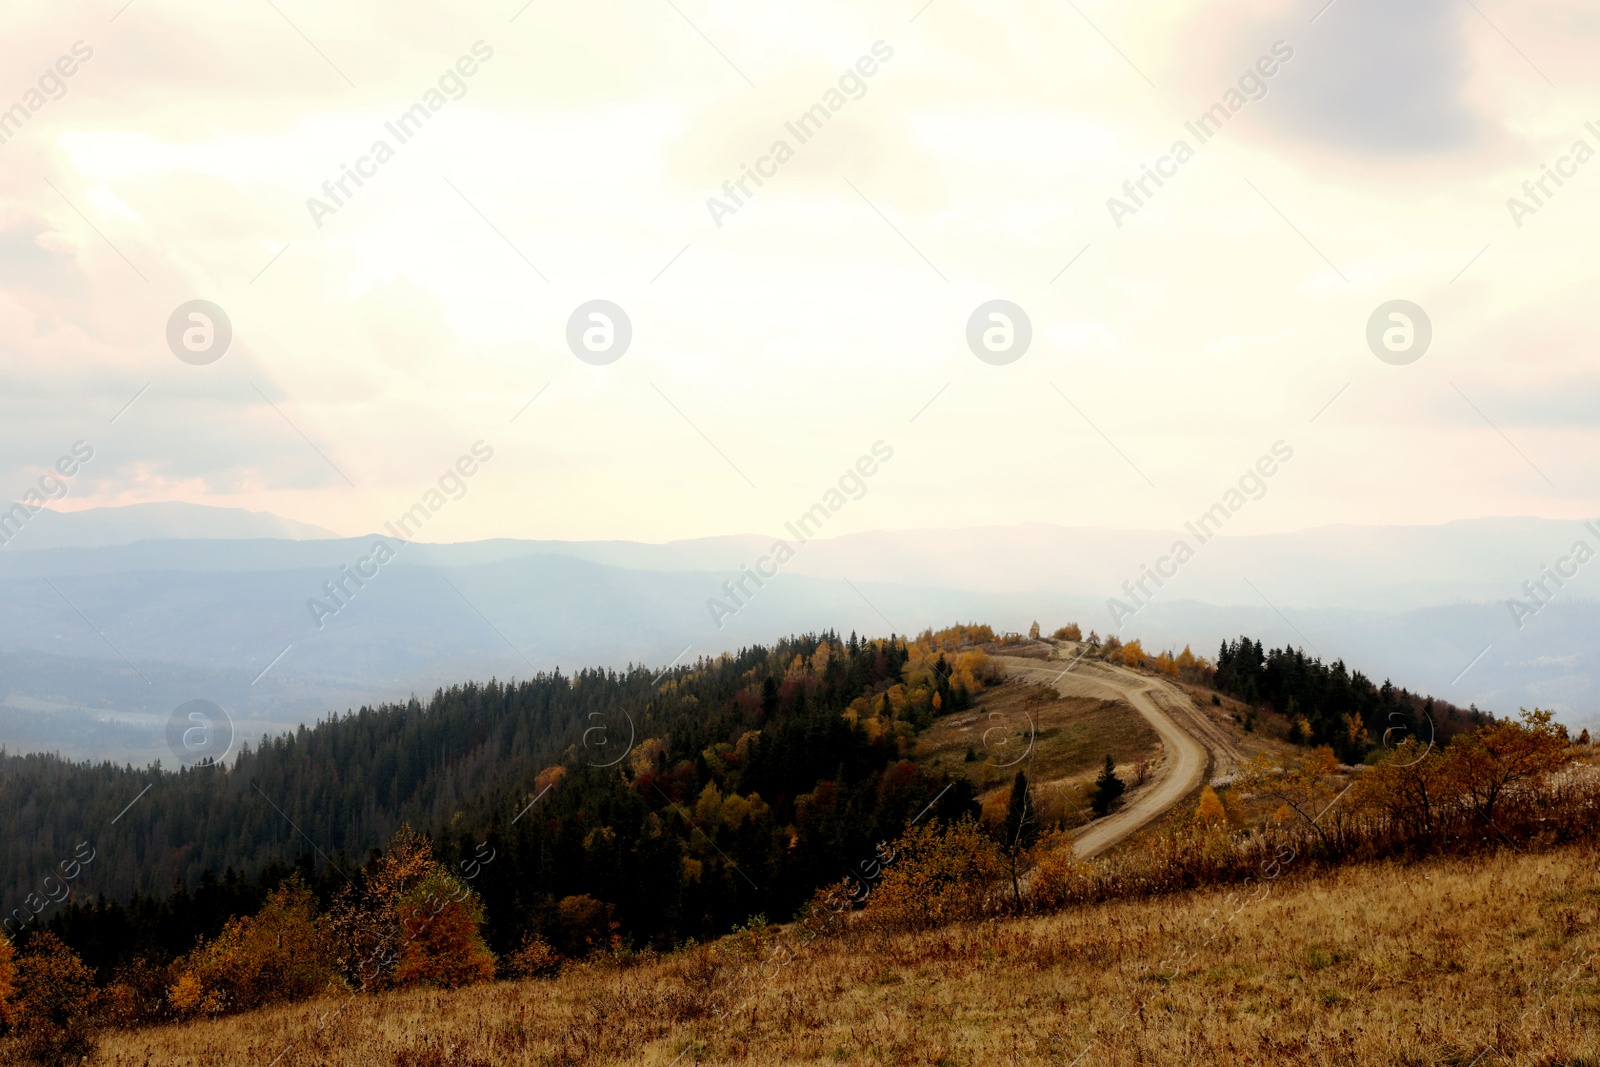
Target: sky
[[778, 333]]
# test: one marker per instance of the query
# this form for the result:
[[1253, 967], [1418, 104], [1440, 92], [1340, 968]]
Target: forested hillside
[[1328, 704], [587, 809], [668, 805]]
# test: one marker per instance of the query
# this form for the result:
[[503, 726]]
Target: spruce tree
[[1107, 788]]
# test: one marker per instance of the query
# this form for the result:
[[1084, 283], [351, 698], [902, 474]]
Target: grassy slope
[[1413, 964], [1071, 737]]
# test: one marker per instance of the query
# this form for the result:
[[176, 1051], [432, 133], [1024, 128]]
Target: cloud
[[977, 166], [1379, 78], [27, 261]]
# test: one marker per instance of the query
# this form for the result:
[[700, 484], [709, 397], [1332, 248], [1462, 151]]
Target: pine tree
[[1107, 788], [1022, 824]]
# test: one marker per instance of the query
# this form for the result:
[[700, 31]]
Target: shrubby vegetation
[[1519, 783]]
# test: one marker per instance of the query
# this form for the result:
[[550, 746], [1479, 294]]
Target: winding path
[[1189, 740]]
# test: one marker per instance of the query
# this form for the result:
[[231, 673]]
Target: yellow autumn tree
[[1303, 787], [55, 1003], [547, 779], [1494, 758], [647, 755], [283, 952], [1411, 784], [1211, 812], [708, 805]]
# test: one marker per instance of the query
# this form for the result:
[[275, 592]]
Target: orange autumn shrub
[[535, 959], [442, 945], [8, 983], [938, 874], [411, 922], [55, 1003]]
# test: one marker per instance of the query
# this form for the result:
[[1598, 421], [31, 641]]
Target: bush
[[55, 1003], [8, 984], [411, 922], [585, 926], [441, 920], [280, 953], [137, 995], [939, 874], [1055, 876], [535, 959]]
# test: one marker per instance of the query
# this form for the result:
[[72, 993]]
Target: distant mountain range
[[98, 527], [111, 615]]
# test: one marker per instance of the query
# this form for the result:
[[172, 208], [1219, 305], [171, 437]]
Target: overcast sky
[[377, 338]]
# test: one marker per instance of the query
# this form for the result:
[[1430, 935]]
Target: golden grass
[[1488, 961], [1072, 736]]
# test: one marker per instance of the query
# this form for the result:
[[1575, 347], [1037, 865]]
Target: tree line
[[1328, 704]]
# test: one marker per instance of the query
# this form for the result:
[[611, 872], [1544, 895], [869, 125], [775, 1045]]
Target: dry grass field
[[1491, 960]]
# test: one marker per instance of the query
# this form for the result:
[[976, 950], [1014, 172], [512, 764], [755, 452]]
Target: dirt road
[[1190, 741]]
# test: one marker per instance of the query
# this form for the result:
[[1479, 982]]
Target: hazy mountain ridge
[[205, 618], [169, 519]]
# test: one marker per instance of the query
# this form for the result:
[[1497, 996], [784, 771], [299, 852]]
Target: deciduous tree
[[1413, 785], [442, 943], [283, 952], [1304, 785], [939, 874], [1501, 754], [1211, 812], [1019, 833], [55, 1002]]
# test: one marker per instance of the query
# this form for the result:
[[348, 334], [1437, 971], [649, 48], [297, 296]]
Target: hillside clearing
[[1059, 741]]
